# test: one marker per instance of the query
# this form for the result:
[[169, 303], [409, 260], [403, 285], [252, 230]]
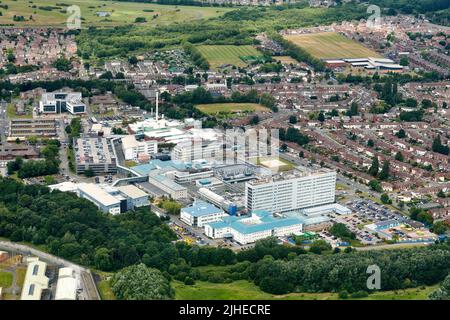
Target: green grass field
[[120, 12], [245, 290], [331, 45], [6, 279], [104, 288], [215, 108], [218, 55]]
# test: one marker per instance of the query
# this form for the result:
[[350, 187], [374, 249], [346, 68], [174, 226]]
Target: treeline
[[298, 53], [201, 96], [347, 271], [395, 77], [394, 7], [280, 269], [196, 56]]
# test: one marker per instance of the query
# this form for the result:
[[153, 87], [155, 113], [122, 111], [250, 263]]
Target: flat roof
[[97, 193], [201, 208], [132, 191], [66, 289], [260, 220], [35, 280]]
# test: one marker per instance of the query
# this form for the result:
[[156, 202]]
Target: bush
[[343, 294], [359, 294], [189, 281]]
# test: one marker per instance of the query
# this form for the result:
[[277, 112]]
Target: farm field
[[245, 290], [120, 13], [232, 107], [218, 55], [331, 45]]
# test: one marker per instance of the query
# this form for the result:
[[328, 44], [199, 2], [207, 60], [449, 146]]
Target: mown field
[[245, 290], [120, 12], [218, 55], [331, 45], [215, 108]]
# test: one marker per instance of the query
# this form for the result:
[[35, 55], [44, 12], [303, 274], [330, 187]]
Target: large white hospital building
[[291, 191]]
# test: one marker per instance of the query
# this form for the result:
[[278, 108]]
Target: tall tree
[[374, 168], [384, 173]]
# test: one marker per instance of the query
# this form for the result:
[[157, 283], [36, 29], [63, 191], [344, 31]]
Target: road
[[393, 246], [89, 289], [3, 121]]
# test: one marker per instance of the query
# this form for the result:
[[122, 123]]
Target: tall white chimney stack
[[157, 106]]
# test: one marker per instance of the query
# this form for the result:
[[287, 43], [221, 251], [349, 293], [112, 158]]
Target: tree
[[318, 246], [411, 103], [385, 199], [443, 292], [340, 230], [384, 173], [439, 227], [401, 134], [370, 143], [404, 61], [62, 64], [89, 173], [441, 194], [399, 156], [133, 60], [375, 185], [321, 117], [438, 147], [140, 20], [254, 120], [353, 109], [139, 282], [373, 170], [292, 119]]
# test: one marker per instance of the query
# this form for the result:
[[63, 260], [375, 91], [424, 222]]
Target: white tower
[[156, 118]]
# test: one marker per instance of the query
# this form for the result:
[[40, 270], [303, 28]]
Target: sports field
[[218, 55], [331, 45], [54, 12], [215, 108]]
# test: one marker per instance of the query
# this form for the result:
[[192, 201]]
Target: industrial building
[[136, 198], [291, 190], [35, 280], [66, 287], [175, 190], [58, 102], [260, 225], [37, 127], [201, 213], [109, 199], [94, 154], [102, 199]]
